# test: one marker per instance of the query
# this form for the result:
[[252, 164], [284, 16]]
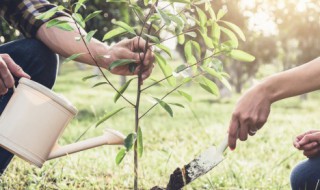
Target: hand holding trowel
[[197, 167]]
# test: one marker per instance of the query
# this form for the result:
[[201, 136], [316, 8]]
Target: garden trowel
[[197, 167]]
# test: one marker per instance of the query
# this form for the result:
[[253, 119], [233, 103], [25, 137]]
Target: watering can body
[[35, 118]]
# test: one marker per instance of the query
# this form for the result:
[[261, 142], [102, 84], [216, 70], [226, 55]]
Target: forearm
[[296, 81], [64, 43]]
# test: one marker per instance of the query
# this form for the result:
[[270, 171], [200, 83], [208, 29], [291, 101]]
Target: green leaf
[[221, 13], [230, 44], [230, 34], [208, 41], [55, 22], [212, 72], [89, 77], [132, 67], [129, 141], [185, 95], [108, 115], [48, 14], [215, 34], [125, 26], [180, 68], [225, 82], [177, 104], [121, 154], [154, 39], [236, 29], [165, 106], [136, 9], [180, 1], [212, 14], [113, 33], [165, 68], [122, 90], [202, 17], [99, 84], [117, 1], [92, 15], [164, 48], [121, 62], [90, 35], [72, 57], [241, 56], [140, 142], [164, 16], [209, 86], [65, 27], [79, 4], [177, 20], [79, 19], [181, 39], [189, 53], [145, 2]]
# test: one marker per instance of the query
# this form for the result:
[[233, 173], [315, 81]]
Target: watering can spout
[[110, 137]]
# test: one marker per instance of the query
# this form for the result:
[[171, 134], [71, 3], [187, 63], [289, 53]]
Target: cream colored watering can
[[35, 118]]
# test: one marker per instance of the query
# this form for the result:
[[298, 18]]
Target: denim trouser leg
[[39, 62], [306, 175]]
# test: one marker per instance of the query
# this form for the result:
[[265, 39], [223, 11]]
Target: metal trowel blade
[[198, 167]]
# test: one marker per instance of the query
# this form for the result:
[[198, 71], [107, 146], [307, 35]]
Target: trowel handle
[[223, 145]]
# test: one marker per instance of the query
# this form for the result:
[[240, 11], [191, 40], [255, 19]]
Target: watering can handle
[[111, 137]]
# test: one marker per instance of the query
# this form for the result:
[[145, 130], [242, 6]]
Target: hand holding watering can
[[35, 118]]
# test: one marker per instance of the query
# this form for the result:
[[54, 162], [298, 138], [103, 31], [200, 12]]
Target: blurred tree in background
[[283, 33]]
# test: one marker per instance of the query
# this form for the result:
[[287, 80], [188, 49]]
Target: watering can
[[35, 118]]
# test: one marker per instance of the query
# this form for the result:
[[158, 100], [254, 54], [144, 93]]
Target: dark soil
[[157, 188], [177, 178]]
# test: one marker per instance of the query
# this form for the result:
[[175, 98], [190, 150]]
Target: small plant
[[205, 36]]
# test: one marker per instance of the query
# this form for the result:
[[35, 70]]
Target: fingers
[[313, 137], [312, 153], [299, 137], [147, 72], [138, 44], [309, 146], [233, 132], [7, 80], [8, 66], [15, 69]]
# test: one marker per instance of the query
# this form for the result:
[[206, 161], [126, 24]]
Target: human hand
[[132, 49], [309, 142], [7, 68], [249, 115]]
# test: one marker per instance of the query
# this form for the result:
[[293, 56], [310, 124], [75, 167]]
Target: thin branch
[[184, 32], [137, 119], [96, 63], [157, 82], [165, 24], [135, 12], [170, 92]]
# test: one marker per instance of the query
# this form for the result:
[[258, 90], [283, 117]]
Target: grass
[[262, 162]]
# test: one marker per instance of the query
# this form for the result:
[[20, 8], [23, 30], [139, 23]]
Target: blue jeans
[[39, 62], [306, 175]]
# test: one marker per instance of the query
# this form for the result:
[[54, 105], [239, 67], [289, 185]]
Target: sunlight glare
[[263, 23]]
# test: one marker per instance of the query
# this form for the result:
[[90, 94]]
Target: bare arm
[[253, 108], [296, 81], [65, 44]]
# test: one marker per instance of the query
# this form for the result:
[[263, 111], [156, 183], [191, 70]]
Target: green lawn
[[262, 162]]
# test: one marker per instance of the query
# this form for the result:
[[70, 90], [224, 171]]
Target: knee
[[44, 63], [297, 177], [305, 175]]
